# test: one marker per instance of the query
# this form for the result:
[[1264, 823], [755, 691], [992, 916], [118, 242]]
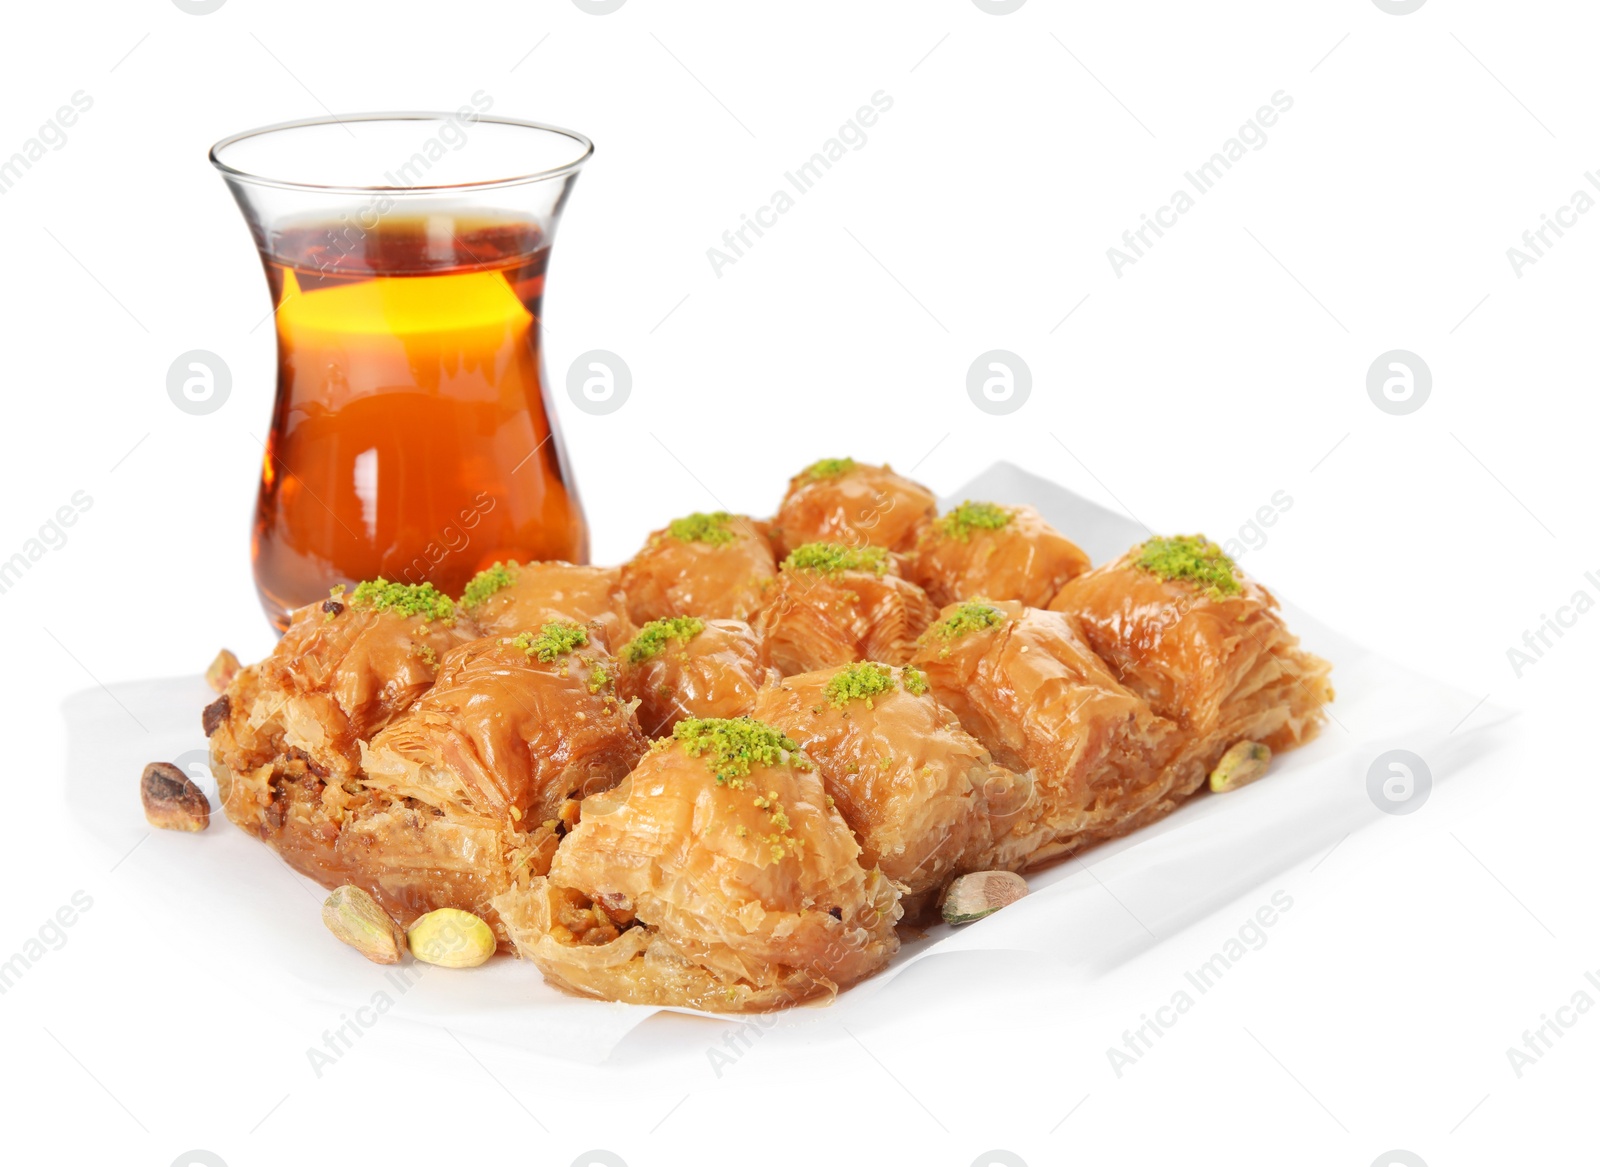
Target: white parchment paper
[[1090, 913]]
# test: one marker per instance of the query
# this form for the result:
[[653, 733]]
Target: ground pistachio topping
[[972, 616], [557, 638], [960, 522], [915, 681], [1193, 558], [733, 745], [828, 468], [653, 637], [487, 582], [423, 600], [732, 749], [861, 681], [781, 839], [711, 529], [829, 558]]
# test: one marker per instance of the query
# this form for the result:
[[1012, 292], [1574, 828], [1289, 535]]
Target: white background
[[1227, 364]]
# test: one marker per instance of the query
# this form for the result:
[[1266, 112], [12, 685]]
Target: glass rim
[[233, 172]]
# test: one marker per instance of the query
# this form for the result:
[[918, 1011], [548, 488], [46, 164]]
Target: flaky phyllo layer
[[718, 875]]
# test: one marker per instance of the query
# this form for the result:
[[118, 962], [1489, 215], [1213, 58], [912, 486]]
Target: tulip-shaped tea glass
[[412, 436]]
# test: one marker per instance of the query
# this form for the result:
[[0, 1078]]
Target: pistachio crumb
[[828, 468], [734, 745], [422, 600], [557, 638], [831, 558], [487, 582], [970, 516], [972, 616], [862, 681], [653, 637], [711, 529], [1193, 558]]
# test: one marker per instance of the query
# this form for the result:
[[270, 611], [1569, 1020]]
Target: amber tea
[[411, 437]]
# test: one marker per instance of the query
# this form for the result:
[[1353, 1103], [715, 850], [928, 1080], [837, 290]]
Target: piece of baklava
[[1206, 646], [684, 666], [459, 798], [999, 552], [833, 604], [922, 795], [715, 566], [840, 500], [716, 876], [1025, 684], [344, 669], [510, 598]]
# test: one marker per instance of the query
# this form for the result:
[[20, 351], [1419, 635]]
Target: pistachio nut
[[1241, 765], [982, 893], [171, 801], [451, 938], [221, 671], [355, 917]]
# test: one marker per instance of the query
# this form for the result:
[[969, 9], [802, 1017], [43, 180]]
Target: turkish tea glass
[[412, 436]]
